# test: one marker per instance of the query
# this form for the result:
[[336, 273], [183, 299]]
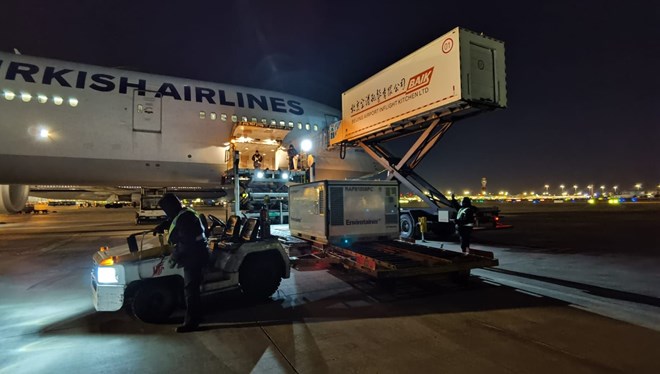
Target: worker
[[257, 158], [464, 221], [291, 152], [187, 235], [310, 170]]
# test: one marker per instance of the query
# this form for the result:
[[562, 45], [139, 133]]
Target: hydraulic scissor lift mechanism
[[457, 75]]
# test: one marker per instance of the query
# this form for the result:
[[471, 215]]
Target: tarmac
[[536, 312]]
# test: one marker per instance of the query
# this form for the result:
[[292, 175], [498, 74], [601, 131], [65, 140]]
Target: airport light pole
[[562, 188], [602, 190], [575, 186], [546, 188], [591, 190], [638, 186], [615, 188]]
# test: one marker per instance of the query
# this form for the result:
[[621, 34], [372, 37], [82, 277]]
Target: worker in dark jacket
[[292, 152], [188, 237], [464, 221]]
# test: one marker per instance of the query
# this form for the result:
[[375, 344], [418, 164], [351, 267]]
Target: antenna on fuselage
[[16, 51]]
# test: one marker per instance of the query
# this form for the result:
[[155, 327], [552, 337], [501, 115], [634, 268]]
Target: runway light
[[591, 201]]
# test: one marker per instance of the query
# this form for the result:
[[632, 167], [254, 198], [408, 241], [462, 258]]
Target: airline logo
[[420, 80], [400, 90], [51, 75]]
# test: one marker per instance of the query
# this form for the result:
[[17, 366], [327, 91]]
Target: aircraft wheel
[[260, 276], [154, 302]]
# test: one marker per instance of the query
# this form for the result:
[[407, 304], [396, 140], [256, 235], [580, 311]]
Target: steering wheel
[[215, 221]]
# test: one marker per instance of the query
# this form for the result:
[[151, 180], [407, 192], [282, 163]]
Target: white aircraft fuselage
[[69, 123]]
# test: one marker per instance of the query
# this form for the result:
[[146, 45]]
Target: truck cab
[[147, 209]]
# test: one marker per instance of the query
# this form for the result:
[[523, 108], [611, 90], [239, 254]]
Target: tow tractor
[[137, 276]]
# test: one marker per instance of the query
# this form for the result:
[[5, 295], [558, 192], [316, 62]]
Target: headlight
[[107, 275]]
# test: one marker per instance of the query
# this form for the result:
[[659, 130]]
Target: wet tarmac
[[539, 311]]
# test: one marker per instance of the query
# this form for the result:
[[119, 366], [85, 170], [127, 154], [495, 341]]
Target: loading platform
[[384, 259]]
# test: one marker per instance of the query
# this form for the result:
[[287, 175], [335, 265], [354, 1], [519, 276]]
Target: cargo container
[[344, 211]]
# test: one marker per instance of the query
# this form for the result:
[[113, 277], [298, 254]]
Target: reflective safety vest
[[200, 237], [465, 216]]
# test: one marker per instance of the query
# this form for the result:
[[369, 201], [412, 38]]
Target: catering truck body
[[458, 75]]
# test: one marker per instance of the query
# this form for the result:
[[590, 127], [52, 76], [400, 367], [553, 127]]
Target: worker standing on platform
[[292, 153], [257, 159], [464, 221]]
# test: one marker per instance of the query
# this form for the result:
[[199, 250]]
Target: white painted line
[[528, 293]]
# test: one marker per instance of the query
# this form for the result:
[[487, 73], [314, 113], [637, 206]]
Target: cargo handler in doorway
[[188, 237]]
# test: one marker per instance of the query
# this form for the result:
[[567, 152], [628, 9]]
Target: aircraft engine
[[13, 197]]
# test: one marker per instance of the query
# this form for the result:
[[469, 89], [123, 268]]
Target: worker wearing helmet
[[188, 237], [464, 221]]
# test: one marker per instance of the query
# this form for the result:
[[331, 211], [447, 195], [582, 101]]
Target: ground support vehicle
[[459, 75], [148, 209], [355, 223], [137, 276]]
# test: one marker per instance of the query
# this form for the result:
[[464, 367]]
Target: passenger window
[[253, 119], [214, 116], [291, 124], [243, 119], [282, 123], [316, 127], [140, 108], [273, 122], [264, 121], [234, 118], [299, 126], [202, 115], [223, 116], [307, 126]]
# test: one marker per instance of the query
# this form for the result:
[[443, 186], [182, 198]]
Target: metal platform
[[383, 259]]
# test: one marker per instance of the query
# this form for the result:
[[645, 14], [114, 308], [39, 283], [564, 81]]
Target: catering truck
[[458, 75]]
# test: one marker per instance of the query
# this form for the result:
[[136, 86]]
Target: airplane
[[65, 123]]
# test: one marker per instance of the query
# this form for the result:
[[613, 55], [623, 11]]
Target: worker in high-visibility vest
[[187, 235], [464, 221]]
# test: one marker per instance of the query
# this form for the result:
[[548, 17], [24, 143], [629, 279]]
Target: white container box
[[344, 211], [456, 75]]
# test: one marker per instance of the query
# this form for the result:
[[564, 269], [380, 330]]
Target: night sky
[[582, 76]]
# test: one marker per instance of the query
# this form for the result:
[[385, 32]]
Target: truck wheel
[[260, 276], [153, 302], [407, 226]]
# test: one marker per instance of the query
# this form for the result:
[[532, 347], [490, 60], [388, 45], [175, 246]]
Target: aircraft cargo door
[[482, 82], [147, 111]]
